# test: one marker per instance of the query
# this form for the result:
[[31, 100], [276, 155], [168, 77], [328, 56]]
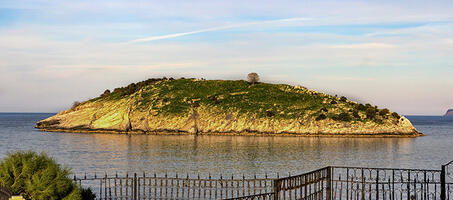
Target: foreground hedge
[[37, 176]]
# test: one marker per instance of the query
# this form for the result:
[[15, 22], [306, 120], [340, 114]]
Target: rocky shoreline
[[258, 134]]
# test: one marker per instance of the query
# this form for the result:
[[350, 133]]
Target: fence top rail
[[173, 178], [304, 174], [384, 168], [448, 163], [236, 178], [253, 196]]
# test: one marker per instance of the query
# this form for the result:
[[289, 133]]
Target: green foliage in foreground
[[181, 96], [36, 176]]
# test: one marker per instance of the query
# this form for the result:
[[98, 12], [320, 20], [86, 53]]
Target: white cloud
[[363, 46], [218, 28]]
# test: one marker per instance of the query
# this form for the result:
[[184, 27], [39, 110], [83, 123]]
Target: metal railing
[[144, 186], [447, 181], [384, 183], [333, 182]]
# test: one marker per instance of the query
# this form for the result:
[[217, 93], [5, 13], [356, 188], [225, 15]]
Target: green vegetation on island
[[179, 96]]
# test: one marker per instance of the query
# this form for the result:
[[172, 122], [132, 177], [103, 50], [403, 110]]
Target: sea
[[227, 155]]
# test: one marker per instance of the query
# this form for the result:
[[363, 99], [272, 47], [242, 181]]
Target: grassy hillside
[[263, 100]]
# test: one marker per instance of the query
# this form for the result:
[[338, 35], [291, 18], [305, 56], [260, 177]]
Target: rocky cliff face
[[177, 107], [449, 112]]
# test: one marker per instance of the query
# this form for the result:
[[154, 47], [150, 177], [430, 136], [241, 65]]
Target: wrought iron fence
[[384, 183], [164, 187], [312, 185], [333, 182], [447, 181]]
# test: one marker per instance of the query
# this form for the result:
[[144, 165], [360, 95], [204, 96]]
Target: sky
[[394, 54]]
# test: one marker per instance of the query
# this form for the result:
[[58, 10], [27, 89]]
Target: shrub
[[269, 113], [196, 104], [214, 99], [105, 94], [361, 107], [75, 104], [253, 78], [343, 98], [36, 176], [396, 115], [324, 110], [321, 117], [355, 114], [343, 117], [333, 102], [384, 111], [370, 113]]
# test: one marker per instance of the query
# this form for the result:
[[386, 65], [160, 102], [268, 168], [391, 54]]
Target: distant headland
[[226, 107], [449, 112]]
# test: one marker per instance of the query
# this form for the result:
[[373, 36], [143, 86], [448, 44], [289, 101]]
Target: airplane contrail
[[147, 39]]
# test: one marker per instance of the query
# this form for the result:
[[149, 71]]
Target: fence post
[[329, 183], [135, 186], [276, 189], [442, 183]]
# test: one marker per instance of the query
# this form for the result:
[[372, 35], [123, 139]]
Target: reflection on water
[[223, 154], [231, 154]]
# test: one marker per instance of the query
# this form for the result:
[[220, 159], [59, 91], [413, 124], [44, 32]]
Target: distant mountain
[[449, 112]]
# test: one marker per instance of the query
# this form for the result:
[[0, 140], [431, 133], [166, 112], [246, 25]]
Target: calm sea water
[[227, 154]]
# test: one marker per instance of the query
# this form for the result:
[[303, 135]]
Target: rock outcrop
[[449, 112], [192, 106]]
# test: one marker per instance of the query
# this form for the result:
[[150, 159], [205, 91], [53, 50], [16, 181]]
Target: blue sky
[[395, 54]]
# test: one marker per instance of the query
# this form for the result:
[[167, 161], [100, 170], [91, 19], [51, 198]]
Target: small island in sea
[[449, 112], [226, 107]]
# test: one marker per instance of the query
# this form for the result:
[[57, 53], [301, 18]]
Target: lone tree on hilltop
[[253, 78]]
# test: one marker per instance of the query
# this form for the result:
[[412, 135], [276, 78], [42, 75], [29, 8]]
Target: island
[[449, 112], [226, 107]]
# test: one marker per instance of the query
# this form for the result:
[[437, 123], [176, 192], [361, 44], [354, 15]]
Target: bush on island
[[370, 113], [321, 117], [37, 176], [384, 111], [355, 114], [342, 117], [105, 94], [396, 115], [75, 104], [361, 107]]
